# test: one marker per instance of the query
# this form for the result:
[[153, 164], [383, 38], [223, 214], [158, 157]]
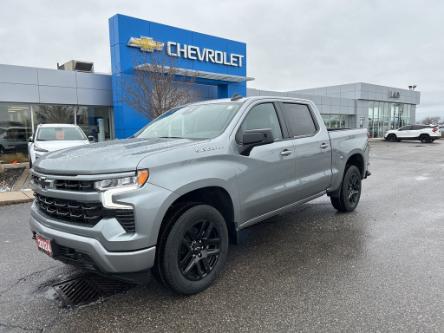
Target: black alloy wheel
[[200, 250], [348, 198], [354, 189], [193, 249]]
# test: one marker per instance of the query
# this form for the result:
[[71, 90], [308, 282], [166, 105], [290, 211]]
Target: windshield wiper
[[170, 137]]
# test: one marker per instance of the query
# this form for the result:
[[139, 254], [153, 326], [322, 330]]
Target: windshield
[[60, 134], [203, 121]]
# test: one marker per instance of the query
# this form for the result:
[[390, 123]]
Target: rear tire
[[350, 191], [425, 138], [194, 250]]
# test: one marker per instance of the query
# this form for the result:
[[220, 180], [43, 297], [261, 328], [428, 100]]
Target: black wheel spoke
[[208, 230], [213, 241], [202, 229], [185, 259], [206, 265], [189, 266], [200, 272], [213, 252], [186, 243]]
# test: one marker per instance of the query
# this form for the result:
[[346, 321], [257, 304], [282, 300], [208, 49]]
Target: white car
[[52, 137], [425, 133]]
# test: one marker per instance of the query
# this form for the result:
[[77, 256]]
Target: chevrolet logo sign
[[145, 44], [43, 182]]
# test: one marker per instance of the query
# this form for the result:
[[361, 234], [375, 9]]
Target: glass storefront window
[[15, 129], [53, 114], [19, 121], [383, 116], [335, 120], [95, 121]]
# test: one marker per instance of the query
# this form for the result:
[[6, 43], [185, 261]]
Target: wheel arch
[[213, 195], [357, 160]]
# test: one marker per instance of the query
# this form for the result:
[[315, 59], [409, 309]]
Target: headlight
[[40, 150], [134, 181]]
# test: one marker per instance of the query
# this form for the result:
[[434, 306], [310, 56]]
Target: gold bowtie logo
[[146, 44]]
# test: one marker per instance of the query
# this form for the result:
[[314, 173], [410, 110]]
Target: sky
[[290, 44]]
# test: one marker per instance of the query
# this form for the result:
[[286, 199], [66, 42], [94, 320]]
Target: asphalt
[[380, 268]]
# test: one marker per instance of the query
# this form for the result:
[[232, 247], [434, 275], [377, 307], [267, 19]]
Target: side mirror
[[252, 138], [91, 138], [30, 139]]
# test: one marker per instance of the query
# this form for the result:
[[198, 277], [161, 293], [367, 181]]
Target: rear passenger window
[[263, 116], [299, 119]]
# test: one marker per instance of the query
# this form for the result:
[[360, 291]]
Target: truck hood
[[106, 157]]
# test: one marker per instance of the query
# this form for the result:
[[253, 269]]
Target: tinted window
[[405, 128], [263, 116], [299, 119], [419, 127]]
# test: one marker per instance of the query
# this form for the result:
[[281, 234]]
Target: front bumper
[[103, 260]]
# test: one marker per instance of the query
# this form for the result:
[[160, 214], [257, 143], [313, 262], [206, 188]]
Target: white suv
[[425, 133], [52, 137]]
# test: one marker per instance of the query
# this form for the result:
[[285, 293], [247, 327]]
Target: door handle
[[285, 152], [324, 145]]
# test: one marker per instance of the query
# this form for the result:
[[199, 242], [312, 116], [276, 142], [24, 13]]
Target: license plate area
[[44, 245]]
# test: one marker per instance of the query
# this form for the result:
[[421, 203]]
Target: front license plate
[[44, 245]]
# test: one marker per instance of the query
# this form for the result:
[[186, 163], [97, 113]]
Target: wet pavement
[[380, 268]]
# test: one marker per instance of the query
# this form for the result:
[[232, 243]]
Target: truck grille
[[85, 213], [74, 185], [64, 184]]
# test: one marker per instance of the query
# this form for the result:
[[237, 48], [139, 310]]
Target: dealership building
[[216, 67]]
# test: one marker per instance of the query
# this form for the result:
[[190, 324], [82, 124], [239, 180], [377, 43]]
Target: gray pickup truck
[[172, 198]]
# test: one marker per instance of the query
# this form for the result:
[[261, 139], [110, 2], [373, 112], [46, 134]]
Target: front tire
[[392, 138], [195, 250], [350, 191]]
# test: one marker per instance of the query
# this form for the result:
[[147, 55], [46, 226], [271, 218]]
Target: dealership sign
[[185, 51]]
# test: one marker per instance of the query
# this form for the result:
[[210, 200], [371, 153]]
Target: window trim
[[313, 117], [279, 116]]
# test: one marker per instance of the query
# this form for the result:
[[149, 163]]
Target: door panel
[[313, 164], [312, 150], [266, 183]]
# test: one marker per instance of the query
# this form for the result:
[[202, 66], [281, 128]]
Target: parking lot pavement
[[380, 268]]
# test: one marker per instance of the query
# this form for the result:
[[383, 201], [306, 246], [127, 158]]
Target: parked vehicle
[[13, 139], [424, 133], [173, 197], [53, 137]]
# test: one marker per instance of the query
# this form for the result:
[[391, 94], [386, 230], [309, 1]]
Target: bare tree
[[158, 86], [431, 120], [55, 114]]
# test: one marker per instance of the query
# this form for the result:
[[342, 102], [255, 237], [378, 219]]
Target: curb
[[17, 197]]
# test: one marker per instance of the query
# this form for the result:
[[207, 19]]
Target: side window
[[299, 119], [263, 116], [406, 128]]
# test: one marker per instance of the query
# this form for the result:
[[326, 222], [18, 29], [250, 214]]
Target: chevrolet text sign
[[217, 65], [203, 54]]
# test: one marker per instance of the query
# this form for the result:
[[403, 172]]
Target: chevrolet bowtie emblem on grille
[[146, 44], [44, 182]]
